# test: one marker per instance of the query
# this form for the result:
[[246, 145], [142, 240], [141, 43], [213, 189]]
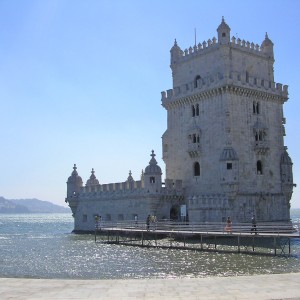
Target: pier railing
[[279, 228]]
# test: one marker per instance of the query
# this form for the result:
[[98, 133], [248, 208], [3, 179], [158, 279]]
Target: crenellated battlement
[[212, 44], [124, 189], [113, 187], [218, 80]]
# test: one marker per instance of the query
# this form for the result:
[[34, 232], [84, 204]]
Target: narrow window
[[223, 34], [256, 108], [198, 139], [196, 81], [196, 169], [193, 111], [229, 166], [194, 138], [152, 179], [259, 167], [197, 110]]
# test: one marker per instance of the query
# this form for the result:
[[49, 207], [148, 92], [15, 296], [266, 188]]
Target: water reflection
[[42, 247]]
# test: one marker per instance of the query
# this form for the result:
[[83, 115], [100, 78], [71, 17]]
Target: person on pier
[[254, 223], [228, 227]]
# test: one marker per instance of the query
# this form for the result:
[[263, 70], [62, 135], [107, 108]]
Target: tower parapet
[[211, 82], [265, 50]]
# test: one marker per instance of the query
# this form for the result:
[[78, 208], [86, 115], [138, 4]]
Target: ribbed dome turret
[[229, 154], [74, 183], [176, 53], [130, 178], [223, 33], [223, 26], [92, 180], [267, 41], [153, 168], [267, 46], [74, 176]]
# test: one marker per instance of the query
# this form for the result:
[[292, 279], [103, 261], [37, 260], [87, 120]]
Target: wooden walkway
[[268, 239]]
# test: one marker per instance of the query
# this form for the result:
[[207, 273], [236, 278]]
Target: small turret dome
[[228, 154], [223, 33], [267, 41], [267, 46], [153, 168], [92, 180], [223, 26], [176, 53], [74, 176], [130, 178]]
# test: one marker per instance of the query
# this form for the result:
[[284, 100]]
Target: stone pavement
[[281, 286]]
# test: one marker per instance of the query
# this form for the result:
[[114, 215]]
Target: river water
[[42, 246]]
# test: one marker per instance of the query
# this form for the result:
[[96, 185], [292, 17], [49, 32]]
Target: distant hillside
[[30, 206]]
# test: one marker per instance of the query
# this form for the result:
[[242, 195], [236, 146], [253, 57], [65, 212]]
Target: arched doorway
[[174, 212]]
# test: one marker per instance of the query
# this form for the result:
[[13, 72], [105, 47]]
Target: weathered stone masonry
[[223, 148]]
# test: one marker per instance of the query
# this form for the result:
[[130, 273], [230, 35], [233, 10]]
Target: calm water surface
[[42, 246]]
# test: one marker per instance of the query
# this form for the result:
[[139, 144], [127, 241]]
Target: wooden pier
[[265, 239]]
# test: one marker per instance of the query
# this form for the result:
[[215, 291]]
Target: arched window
[[152, 179], [196, 80], [259, 167], [196, 169]]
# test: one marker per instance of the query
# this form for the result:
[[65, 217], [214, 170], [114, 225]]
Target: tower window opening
[[193, 111], [198, 139], [197, 110], [247, 77], [223, 34], [259, 167], [196, 81], [229, 166], [152, 179], [196, 169], [259, 135], [194, 138], [256, 108]]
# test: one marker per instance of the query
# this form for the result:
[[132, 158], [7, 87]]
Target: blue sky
[[80, 82]]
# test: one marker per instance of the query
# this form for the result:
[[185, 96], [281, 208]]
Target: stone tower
[[225, 130]]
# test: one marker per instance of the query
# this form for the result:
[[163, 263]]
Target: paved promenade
[[282, 286]]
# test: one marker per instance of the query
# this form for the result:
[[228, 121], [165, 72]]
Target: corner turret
[[286, 172], [92, 181], [74, 185], [267, 47], [152, 176], [130, 181], [223, 33], [176, 53]]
